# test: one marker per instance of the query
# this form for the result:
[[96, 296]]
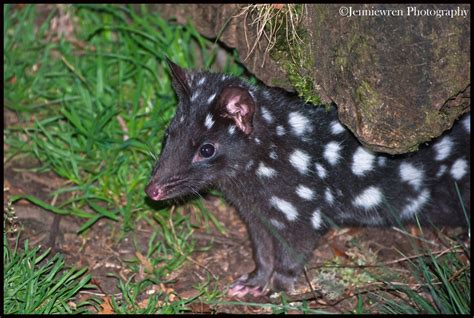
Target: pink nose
[[155, 191]]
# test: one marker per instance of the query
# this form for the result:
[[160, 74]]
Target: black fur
[[281, 243]]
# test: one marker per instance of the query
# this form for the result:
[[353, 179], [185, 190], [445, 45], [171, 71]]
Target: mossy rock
[[397, 81]]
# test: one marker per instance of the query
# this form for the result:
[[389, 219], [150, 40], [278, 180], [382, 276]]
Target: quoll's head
[[207, 138]]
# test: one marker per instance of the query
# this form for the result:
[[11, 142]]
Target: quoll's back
[[292, 170]]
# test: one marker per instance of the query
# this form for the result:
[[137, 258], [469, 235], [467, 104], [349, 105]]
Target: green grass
[[434, 278], [443, 285], [35, 284], [444, 279], [96, 116], [93, 106]]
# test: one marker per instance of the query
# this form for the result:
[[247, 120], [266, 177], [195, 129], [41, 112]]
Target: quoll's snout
[[155, 191]]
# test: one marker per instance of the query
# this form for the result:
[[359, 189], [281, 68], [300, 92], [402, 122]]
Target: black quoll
[[292, 170]]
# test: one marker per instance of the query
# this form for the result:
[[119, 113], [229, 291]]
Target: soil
[[105, 249]]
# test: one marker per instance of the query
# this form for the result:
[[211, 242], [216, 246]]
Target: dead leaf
[[337, 251], [143, 303], [12, 80], [106, 307], [200, 308], [191, 293]]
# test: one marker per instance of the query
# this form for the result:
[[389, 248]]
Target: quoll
[[293, 170]]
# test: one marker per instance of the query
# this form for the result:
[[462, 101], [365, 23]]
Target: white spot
[[369, 198], [328, 196], [257, 141], [273, 155], [300, 160], [201, 81], [467, 123], [195, 96], [381, 161], [266, 115], [284, 206], [316, 219], [209, 122], [304, 192], [322, 173], [412, 175], [362, 161], [441, 171], [211, 98], [280, 130], [249, 165], [224, 77], [336, 128], [264, 171], [277, 224], [331, 152], [181, 119], [443, 148], [459, 169], [231, 129], [299, 124], [415, 204]]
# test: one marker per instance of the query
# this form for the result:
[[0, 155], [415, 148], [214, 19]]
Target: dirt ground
[[103, 250]]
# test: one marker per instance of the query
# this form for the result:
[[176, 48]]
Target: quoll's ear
[[237, 104], [180, 79]]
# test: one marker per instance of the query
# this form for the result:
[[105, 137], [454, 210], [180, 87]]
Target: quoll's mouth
[[169, 189], [155, 191]]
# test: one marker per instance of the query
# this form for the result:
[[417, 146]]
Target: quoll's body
[[292, 170]]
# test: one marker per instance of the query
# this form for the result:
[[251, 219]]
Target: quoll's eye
[[207, 150]]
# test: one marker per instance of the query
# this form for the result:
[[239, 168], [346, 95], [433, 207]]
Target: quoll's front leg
[[256, 282], [291, 254]]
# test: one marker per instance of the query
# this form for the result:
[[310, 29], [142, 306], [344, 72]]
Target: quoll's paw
[[247, 286], [241, 290], [282, 282]]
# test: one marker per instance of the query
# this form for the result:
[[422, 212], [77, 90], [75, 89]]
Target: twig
[[413, 236], [102, 294], [313, 295], [309, 283], [459, 272], [216, 238]]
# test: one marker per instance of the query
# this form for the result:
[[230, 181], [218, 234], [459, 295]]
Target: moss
[[451, 64], [303, 84], [356, 46], [294, 57], [431, 119], [368, 99], [341, 59]]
